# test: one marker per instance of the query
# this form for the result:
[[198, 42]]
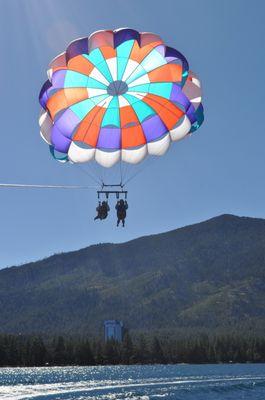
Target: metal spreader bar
[[120, 192], [121, 185]]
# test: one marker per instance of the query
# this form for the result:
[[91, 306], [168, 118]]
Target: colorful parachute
[[118, 95]]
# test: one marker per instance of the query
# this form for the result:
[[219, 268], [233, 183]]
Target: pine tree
[[84, 354], [127, 351], [111, 353], [38, 352], [156, 351], [98, 353], [142, 354], [59, 352]]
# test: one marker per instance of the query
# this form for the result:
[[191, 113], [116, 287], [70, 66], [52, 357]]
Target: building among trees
[[113, 330]]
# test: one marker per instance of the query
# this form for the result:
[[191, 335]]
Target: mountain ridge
[[127, 241], [209, 275]]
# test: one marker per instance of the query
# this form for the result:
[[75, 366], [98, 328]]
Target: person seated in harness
[[121, 208], [102, 210]]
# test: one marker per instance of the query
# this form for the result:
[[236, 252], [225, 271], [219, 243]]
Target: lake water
[[187, 382]]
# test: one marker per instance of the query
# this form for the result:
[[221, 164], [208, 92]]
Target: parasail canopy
[[118, 95]]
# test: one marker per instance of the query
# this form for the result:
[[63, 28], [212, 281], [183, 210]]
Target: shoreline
[[128, 365]]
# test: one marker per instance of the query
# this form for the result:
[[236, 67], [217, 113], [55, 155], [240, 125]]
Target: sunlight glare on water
[[187, 382]]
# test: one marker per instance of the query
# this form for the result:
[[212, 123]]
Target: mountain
[[207, 276]]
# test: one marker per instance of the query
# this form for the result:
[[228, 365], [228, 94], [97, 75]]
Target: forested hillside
[[208, 276]]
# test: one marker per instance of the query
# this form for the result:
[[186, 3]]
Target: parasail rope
[[28, 186], [91, 174], [149, 161], [138, 172], [121, 174]]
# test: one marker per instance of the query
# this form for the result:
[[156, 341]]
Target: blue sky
[[220, 169]]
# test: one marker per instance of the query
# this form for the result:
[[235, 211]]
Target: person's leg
[[118, 221], [123, 222], [97, 217]]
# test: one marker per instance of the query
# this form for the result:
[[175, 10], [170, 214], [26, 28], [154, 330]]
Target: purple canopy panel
[[58, 78], [124, 34], [67, 123], [59, 141], [179, 97], [109, 138], [191, 114], [154, 128], [43, 97], [79, 46]]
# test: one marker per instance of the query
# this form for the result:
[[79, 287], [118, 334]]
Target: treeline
[[37, 351]]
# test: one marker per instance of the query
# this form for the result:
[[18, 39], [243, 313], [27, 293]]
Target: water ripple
[[187, 382]]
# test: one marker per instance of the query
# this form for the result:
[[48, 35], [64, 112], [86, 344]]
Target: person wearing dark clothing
[[102, 210], [121, 208]]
